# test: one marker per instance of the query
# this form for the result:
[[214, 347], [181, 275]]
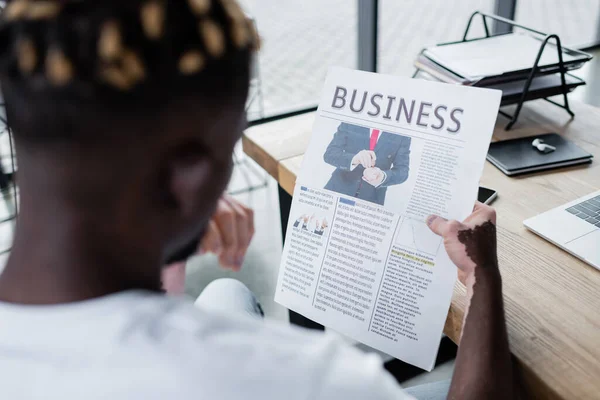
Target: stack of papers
[[502, 62]]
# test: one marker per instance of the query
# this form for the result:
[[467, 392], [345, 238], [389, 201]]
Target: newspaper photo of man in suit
[[367, 162]]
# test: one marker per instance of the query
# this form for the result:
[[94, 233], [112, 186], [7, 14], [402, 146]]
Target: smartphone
[[487, 196]]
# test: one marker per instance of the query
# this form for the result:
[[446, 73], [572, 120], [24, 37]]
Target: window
[[576, 22], [301, 39], [406, 27]]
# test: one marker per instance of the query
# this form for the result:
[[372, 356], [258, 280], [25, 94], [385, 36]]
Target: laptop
[[574, 227], [518, 156]]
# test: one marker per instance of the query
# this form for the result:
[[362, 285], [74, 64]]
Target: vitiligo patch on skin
[[109, 42], [15, 10], [133, 66], [199, 7], [42, 10], [58, 67], [213, 38], [26, 55], [152, 15], [480, 244], [191, 62]]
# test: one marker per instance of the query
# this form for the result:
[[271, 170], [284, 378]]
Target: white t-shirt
[[138, 345]]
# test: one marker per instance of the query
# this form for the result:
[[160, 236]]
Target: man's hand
[[469, 244], [483, 367], [229, 233], [373, 176], [366, 158], [324, 224]]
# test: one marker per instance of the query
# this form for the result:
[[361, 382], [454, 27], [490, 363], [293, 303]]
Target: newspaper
[[385, 153]]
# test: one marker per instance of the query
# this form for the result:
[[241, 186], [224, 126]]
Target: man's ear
[[195, 181]]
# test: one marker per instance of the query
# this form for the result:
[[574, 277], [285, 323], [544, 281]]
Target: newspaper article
[[385, 153]]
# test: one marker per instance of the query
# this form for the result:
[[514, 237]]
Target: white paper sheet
[[358, 256], [494, 56]]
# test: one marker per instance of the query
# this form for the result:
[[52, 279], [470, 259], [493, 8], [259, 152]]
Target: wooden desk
[[552, 299]]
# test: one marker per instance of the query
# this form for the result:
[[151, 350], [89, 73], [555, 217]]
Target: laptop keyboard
[[589, 211]]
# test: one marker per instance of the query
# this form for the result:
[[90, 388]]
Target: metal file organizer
[[519, 86]]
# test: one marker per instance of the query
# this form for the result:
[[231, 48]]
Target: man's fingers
[[483, 212], [372, 173], [365, 159], [211, 242], [230, 232], [373, 158], [478, 206], [359, 158], [442, 226], [369, 177], [245, 228], [374, 176], [226, 221], [250, 217]]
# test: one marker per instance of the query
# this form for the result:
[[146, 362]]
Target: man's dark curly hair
[[69, 65]]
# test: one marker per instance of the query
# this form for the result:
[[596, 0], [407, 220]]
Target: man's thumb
[[436, 224]]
